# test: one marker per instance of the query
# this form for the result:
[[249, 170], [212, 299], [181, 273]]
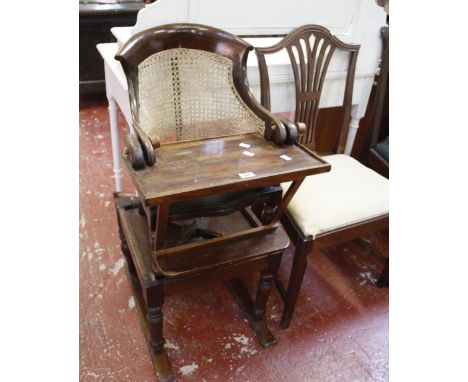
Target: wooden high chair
[[207, 160]]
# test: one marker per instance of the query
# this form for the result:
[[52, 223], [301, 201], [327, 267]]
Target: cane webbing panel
[[187, 94]]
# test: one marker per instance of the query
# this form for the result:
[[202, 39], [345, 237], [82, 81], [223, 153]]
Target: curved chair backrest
[[310, 49], [187, 82]]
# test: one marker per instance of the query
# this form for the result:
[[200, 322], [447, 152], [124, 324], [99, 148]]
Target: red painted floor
[[339, 331]]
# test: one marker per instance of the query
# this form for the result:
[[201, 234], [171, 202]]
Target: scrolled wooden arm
[[134, 152], [281, 131], [140, 148], [146, 144], [284, 131], [275, 130], [294, 129], [293, 132]]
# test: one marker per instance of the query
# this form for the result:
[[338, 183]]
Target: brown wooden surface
[[190, 169]]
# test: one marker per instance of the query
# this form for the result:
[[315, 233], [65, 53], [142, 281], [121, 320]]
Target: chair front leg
[[303, 248], [154, 317], [154, 298]]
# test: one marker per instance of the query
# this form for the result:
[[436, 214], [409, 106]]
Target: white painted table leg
[[114, 127], [353, 128]]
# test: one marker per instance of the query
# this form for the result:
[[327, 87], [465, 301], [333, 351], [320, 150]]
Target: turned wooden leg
[[264, 286], [255, 311], [114, 128], [263, 291], [154, 298], [303, 248], [155, 325]]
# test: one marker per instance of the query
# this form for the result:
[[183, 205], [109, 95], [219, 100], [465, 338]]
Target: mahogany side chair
[[349, 201]]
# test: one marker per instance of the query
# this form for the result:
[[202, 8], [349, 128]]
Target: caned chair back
[[188, 82]]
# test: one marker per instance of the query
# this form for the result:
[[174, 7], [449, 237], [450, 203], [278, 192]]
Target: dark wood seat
[[349, 201], [207, 160]]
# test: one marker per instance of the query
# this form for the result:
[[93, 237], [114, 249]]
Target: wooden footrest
[[240, 241]]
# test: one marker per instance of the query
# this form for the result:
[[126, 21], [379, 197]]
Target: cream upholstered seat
[[348, 194]]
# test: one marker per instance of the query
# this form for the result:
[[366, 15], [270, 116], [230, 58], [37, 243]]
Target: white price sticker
[[246, 174], [285, 157], [248, 153], [245, 145]]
